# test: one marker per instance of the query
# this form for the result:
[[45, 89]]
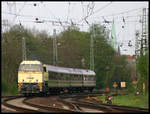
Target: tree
[[142, 69]]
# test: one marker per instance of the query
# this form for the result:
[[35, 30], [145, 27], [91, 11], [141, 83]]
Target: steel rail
[[18, 109], [47, 108], [106, 107]]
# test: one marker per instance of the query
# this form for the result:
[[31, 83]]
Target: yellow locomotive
[[35, 77], [32, 77]]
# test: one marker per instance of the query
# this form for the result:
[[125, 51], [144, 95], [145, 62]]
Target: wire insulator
[[34, 4], [36, 19]]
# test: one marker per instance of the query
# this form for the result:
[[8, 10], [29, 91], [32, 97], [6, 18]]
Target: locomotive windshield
[[30, 67]]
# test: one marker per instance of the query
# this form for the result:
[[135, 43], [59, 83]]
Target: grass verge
[[129, 100]]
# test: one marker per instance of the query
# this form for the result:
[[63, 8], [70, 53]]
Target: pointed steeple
[[113, 37]]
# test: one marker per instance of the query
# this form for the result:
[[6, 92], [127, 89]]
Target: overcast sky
[[27, 12]]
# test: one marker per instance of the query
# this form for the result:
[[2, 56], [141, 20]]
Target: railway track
[[21, 104], [74, 103], [47, 108], [10, 104], [78, 103]]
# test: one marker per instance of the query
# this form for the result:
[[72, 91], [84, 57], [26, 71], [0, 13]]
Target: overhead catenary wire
[[82, 24], [55, 17], [113, 14], [116, 14], [94, 12], [19, 12]]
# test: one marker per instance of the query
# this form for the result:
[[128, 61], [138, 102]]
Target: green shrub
[[13, 88], [4, 86], [130, 87]]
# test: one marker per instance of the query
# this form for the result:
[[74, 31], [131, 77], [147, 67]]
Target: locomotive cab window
[[30, 67]]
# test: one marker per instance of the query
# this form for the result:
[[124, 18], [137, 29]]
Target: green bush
[[4, 86], [130, 87], [13, 88], [9, 89]]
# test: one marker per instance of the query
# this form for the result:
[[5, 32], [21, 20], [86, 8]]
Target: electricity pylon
[[144, 37], [92, 49], [54, 48], [24, 49]]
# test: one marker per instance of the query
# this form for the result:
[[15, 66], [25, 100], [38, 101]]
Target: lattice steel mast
[[24, 49], [92, 49], [54, 48], [144, 37]]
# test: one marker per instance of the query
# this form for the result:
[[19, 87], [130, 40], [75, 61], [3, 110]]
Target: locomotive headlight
[[40, 86], [19, 84]]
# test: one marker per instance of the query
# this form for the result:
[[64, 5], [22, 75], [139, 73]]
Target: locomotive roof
[[69, 70], [31, 62]]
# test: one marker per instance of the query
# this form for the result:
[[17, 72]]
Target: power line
[[59, 19], [19, 11], [114, 14], [94, 12], [123, 12]]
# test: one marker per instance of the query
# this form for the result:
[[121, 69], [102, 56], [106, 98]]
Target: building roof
[[130, 57], [31, 62]]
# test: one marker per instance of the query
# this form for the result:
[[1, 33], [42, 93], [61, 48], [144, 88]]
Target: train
[[34, 77]]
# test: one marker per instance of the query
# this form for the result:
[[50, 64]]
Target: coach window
[[54, 76], [65, 76], [61, 76], [84, 78], [90, 78], [73, 77], [58, 76], [79, 77], [51, 77], [87, 78], [76, 77]]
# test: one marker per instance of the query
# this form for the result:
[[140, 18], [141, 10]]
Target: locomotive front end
[[30, 77]]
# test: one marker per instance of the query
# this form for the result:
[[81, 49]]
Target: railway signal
[[115, 86]]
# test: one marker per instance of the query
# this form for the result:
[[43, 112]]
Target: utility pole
[[92, 49], [144, 37], [54, 48], [137, 43], [23, 49], [5, 29]]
